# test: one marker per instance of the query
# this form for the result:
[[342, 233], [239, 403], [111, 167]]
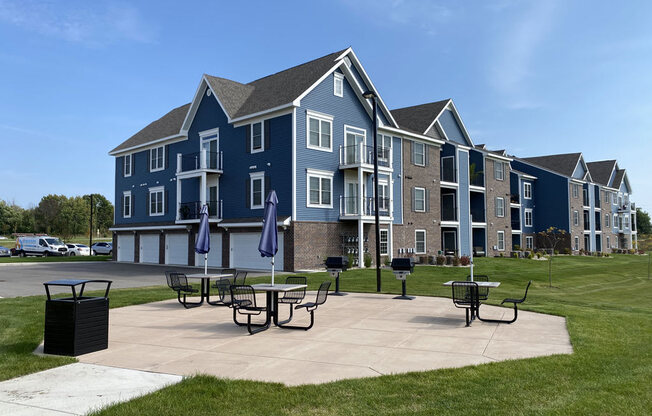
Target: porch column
[[390, 241], [178, 198], [202, 189], [360, 244]]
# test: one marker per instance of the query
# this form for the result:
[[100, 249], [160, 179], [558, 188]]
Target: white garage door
[[126, 247], [245, 255], [176, 249], [215, 255], [149, 248]]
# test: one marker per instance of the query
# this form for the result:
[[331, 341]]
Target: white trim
[[262, 137], [502, 170], [253, 176], [294, 164], [211, 132], [441, 131], [399, 132], [525, 212], [475, 188], [283, 223], [153, 191], [265, 113], [425, 149], [415, 199], [124, 165], [297, 101], [338, 77], [529, 238], [126, 194], [150, 228], [527, 185], [498, 240], [575, 223], [319, 117], [320, 174], [151, 153], [175, 138], [386, 230], [425, 241], [496, 205]]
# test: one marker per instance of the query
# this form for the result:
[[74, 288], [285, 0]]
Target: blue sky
[[534, 77]]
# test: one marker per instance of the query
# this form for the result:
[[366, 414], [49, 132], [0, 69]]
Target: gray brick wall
[[497, 189]]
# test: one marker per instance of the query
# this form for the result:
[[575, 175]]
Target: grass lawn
[[607, 303], [52, 259]]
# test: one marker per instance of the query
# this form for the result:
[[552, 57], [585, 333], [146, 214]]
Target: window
[[608, 242], [419, 199], [607, 217], [257, 189], [501, 240], [156, 206], [420, 241], [156, 158], [320, 131], [320, 189], [626, 220], [384, 238], [576, 190], [338, 85], [419, 154], [615, 222], [527, 190], [528, 218], [384, 147], [383, 195], [576, 218], [127, 166], [126, 204], [500, 207], [499, 171], [257, 137], [577, 243], [606, 196], [529, 243]]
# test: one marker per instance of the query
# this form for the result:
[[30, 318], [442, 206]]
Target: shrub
[[632, 251], [441, 260], [556, 252], [449, 260], [567, 250], [502, 255], [456, 261], [515, 255], [538, 255], [465, 260], [351, 258], [385, 261], [367, 260], [599, 254], [517, 247], [641, 252], [530, 255], [581, 251]]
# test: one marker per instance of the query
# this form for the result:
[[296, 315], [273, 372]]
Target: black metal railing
[[448, 214], [477, 216], [201, 160], [190, 210], [515, 199], [448, 173], [516, 225], [358, 153]]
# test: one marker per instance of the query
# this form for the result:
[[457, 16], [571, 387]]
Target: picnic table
[[205, 285], [272, 292], [475, 300]]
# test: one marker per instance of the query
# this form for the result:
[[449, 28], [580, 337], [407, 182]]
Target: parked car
[[78, 250], [5, 252], [102, 248], [40, 246]]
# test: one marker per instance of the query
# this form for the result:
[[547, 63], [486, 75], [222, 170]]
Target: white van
[[42, 245]]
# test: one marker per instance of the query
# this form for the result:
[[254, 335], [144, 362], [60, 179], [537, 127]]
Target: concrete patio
[[359, 335]]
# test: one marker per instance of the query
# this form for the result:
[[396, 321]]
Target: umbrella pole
[[205, 263], [272, 270]]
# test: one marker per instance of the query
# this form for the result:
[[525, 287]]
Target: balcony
[[516, 225], [350, 207], [448, 171], [359, 155], [515, 199], [626, 206], [190, 210], [199, 161]]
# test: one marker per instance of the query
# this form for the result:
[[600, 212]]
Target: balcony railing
[[190, 210], [199, 160], [626, 206], [587, 226], [360, 154], [350, 206], [448, 173], [515, 199], [516, 225]]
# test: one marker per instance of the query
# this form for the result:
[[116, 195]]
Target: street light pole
[[371, 95], [90, 228]]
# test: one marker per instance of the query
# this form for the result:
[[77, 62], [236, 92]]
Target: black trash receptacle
[[76, 325]]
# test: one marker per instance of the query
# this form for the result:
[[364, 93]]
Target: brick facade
[[497, 189], [576, 230]]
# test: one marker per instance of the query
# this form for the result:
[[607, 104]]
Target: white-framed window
[[608, 242], [257, 137], [576, 190], [576, 243], [126, 204], [500, 207], [499, 171], [384, 242], [127, 165], [156, 201], [615, 222], [606, 196], [419, 153], [607, 220], [529, 242], [576, 218], [384, 147], [528, 218], [320, 188], [419, 241], [501, 240], [338, 84], [527, 190], [320, 131], [383, 194], [257, 189], [419, 199], [613, 198], [156, 159], [626, 220]]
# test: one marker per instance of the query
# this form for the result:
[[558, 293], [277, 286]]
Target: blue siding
[[365, 87], [451, 128], [465, 226], [579, 172], [397, 149], [528, 203]]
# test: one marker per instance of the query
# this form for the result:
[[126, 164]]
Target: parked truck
[[42, 245]]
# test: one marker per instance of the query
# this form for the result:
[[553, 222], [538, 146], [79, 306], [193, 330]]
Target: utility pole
[[90, 228]]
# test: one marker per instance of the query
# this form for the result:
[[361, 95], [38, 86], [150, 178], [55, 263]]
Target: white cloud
[[88, 23]]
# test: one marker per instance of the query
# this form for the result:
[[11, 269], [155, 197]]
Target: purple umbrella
[[268, 245], [203, 243]]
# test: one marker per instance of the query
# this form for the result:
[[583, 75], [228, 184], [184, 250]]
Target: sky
[[77, 78]]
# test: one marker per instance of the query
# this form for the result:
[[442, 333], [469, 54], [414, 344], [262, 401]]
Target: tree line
[[57, 215]]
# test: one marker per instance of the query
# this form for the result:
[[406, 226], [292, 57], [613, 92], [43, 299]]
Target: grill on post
[[402, 267], [335, 266]]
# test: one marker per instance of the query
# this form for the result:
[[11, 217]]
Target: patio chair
[[509, 300], [483, 292], [232, 272], [293, 297], [322, 294], [179, 283], [244, 302], [465, 297], [223, 285]]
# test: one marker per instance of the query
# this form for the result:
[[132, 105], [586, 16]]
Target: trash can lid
[[67, 282]]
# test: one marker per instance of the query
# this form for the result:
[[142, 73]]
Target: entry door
[[212, 202], [351, 203], [350, 148], [211, 153], [450, 241], [587, 243]]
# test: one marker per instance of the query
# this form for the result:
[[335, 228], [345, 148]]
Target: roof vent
[[208, 92], [347, 61]]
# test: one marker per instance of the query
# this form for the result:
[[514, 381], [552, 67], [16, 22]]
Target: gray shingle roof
[[418, 118], [166, 126], [601, 171], [563, 163]]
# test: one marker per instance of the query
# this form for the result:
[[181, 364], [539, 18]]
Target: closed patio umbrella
[[268, 245], [203, 243]]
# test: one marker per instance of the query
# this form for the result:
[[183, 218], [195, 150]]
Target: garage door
[[176, 249], [215, 255], [245, 255], [126, 247], [149, 248]]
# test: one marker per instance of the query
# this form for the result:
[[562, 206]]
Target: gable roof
[[601, 171], [618, 179], [418, 118], [166, 126], [563, 164]]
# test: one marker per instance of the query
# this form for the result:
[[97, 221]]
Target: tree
[[102, 212], [47, 212], [550, 239], [10, 217], [73, 217], [643, 222]]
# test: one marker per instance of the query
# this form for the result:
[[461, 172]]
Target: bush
[[599, 254], [632, 251], [538, 255], [556, 252], [465, 260], [641, 252], [530, 255], [367, 260], [449, 260], [517, 247], [456, 261], [502, 255], [515, 255], [351, 258], [385, 261], [441, 260], [567, 250]]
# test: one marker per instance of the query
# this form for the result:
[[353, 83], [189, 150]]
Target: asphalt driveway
[[26, 279]]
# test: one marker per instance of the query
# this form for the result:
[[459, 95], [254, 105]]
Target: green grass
[[11, 242], [52, 259], [607, 303]]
